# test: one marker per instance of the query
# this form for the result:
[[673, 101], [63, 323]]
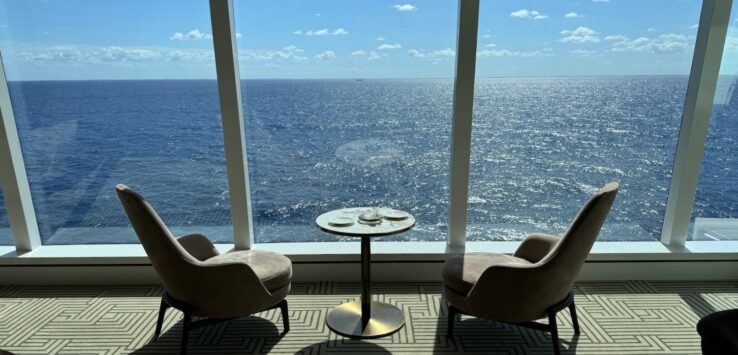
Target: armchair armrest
[[536, 246], [198, 246]]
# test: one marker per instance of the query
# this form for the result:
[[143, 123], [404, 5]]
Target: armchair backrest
[[566, 259], [167, 256], [521, 293]]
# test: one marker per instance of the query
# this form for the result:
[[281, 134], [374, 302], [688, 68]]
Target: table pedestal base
[[346, 320]]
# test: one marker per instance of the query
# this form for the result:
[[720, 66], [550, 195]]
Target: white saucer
[[341, 221], [396, 215]]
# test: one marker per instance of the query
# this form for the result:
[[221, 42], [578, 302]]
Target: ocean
[[540, 147]]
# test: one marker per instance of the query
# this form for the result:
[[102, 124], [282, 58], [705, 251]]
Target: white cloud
[[317, 14], [639, 44], [491, 45], [189, 55], [448, 52], [650, 29], [193, 35], [88, 54], [85, 55], [671, 42], [389, 46], [694, 26], [487, 36], [416, 53], [531, 14], [600, 0], [583, 52], [522, 13], [615, 38], [289, 53], [369, 55], [439, 54], [326, 55], [405, 8], [488, 53], [580, 35], [573, 15], [238, 35], [381, 39], [323, 32], [665, 43], [115, 53]]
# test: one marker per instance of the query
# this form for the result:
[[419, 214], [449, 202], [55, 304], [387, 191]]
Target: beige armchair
[[201, 282], [533, 283]]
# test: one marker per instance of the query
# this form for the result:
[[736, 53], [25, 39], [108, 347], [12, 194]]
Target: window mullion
[[466, 57], [703, 77], [231, 111], [13, 179]]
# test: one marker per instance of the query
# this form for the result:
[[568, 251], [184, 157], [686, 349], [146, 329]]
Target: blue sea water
[[540, 147]]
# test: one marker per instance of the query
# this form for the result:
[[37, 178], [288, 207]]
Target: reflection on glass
[[6, 238], [347, 104], [715, 214], [96, 103], [570, 96]]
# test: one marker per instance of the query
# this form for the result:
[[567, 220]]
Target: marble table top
[[359, 228]]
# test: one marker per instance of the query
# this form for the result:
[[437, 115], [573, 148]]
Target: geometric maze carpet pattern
[[635, 317]]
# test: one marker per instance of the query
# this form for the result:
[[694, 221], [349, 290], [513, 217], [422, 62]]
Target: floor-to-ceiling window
[[715, 214], [350, 104], [116, 92], [572, 95], [346, 104]]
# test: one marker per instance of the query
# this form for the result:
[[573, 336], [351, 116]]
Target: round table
[[367, 318]]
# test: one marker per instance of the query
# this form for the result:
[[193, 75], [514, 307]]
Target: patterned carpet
[[616, 317]]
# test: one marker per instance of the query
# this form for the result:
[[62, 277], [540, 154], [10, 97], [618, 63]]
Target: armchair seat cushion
[[274, 270], [462, 272]]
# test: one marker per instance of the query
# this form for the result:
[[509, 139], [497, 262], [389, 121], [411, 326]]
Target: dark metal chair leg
[[186, 322], [452, 313], [160, 321], [285, 316], [574, 321], [554, 331]]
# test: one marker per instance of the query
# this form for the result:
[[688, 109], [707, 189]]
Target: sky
[[165, 39]]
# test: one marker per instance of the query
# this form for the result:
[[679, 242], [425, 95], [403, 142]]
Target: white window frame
[[708, 53], [461, 136], [13, 179], [222, 19]]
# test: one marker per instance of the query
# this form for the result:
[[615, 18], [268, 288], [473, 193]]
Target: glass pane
[[6, 238], [347, 104], [570, 96], [715, 214], [105, 93]]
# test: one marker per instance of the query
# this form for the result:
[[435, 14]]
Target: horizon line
[[362, 78]]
